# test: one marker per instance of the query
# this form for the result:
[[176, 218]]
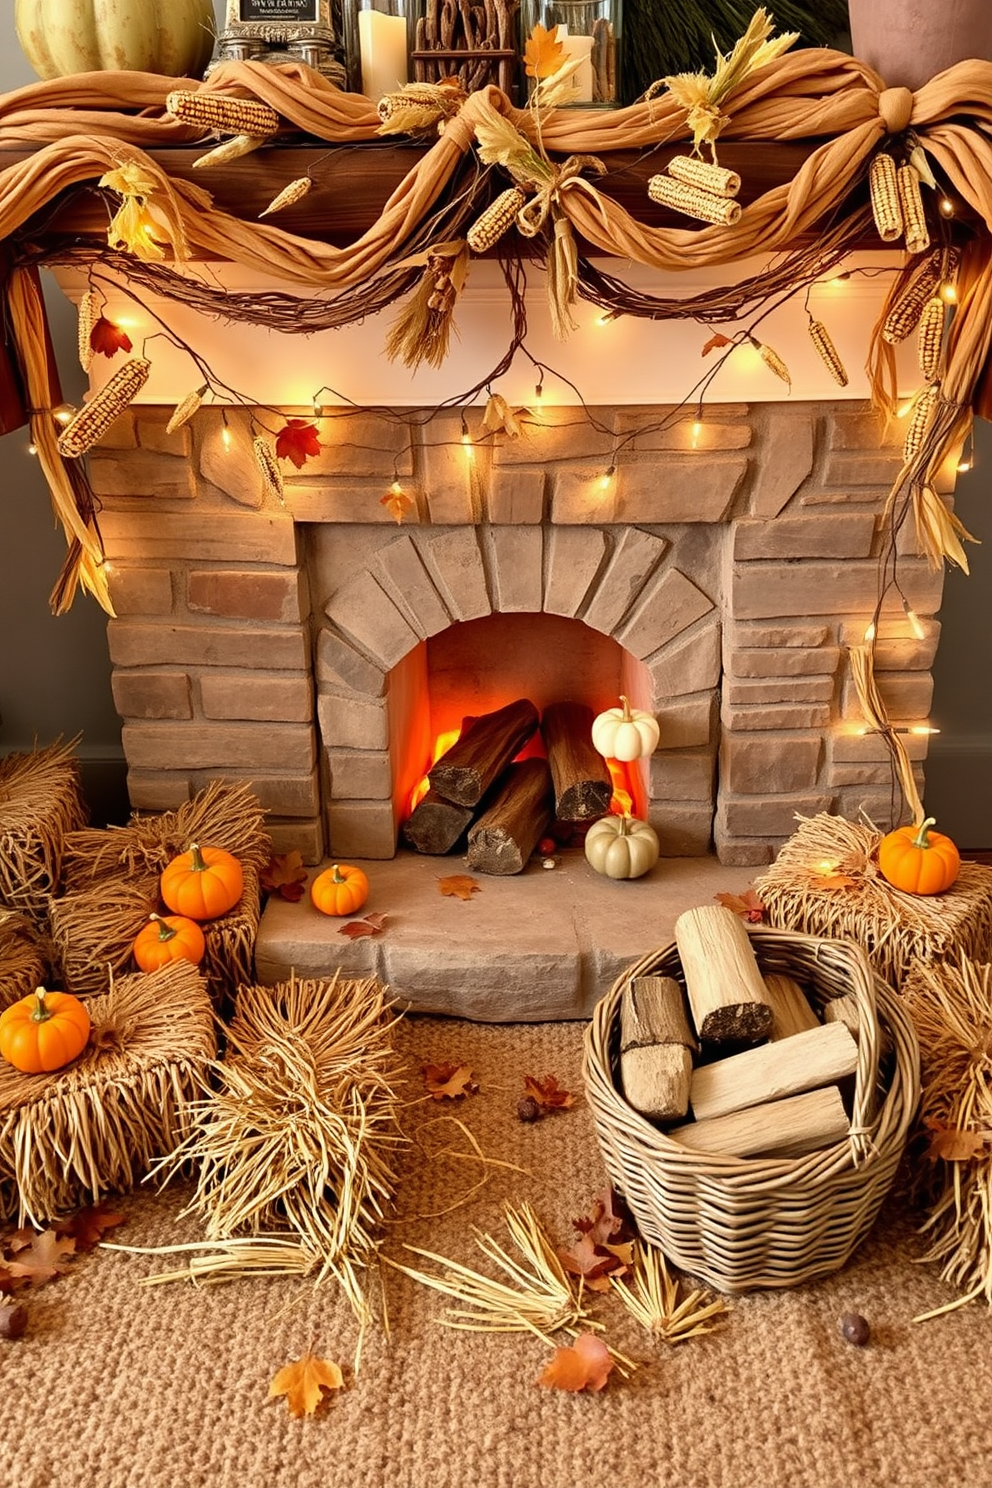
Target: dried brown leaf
[[717, 340], [88, 1225], [303, 1383], [285, 875], [952, 1144], [449, 1081], [550, 1096], [586, 1365], [43, 1259], [459, 886], [398, 504], [747, 905], [372, 924]]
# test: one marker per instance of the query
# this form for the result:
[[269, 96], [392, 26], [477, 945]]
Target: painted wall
[[55, 672]]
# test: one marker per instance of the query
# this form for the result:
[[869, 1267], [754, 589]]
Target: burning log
[[506, 833], [436, 825], [482, 753], [583, 787]]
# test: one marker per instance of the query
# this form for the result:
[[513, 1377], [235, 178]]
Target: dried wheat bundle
[[23, 960], [41, 802], [951, 1008], [299, 1134], [826, 881], [94, 929], [652, 1297], [98, 1125]]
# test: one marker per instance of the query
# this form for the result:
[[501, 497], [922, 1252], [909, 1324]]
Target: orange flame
[[622, 800], [442, 744]]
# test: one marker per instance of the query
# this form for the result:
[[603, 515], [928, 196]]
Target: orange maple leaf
[[596, 1263], [373, 924], [449, 1080], [747, 905], [399, 503], [716, 340], [107, 339], [44, 1258], [548, 1093], [544, 53], [285, 875], [87, 1226], [459, 886], [303, 1382], [297, 441], [586, 1365], [953, 1144]]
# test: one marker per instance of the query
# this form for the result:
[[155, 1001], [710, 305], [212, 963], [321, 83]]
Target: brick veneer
[[736, 571]]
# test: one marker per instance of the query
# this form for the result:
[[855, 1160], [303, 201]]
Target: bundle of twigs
[[96, 1126], [298, 1137], [41, 801], [951, 1007], [23, 961], [826, 881], [474, 42]]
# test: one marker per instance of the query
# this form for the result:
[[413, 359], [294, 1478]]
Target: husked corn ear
[[89, 314], [223, 115], [828, 353], [918, 423], [907, 302], [231, 149], [95, 418], [884, 191], [267, 463], [911, 204], [682, 197], [707, 177], [184, 411], [930, 336], [288, 195], [495, 220], [773, 361]]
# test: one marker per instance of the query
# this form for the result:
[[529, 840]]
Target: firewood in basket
[[436, 825], [782, 1128], [583, 787], [819, 1056], [791, 1010], [506, 833], [722, 977], [465, 772], [656, 1045]]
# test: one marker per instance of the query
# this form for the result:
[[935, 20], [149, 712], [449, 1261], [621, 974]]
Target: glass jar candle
[[377, 45], [589, 31]]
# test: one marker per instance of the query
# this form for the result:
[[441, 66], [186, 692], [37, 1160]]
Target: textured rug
[[123, 1386]]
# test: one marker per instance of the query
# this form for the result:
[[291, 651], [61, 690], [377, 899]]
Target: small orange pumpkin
[[917, 860], [168, 938], [340, 890], [203, 883], [43, 1032]]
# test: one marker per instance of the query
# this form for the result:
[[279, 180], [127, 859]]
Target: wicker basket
[[741, 1223]]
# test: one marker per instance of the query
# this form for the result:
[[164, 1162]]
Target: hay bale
[[97, 1126], [826, 881], [41, 802], [23, 961]]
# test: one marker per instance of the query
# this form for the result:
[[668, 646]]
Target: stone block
[[769, 767], [410, 587], [847, 536], [140, 591], [451, 480], [687, 723], [778, 635], [691, 664], [574, 558], [907, 696], [304, 837], [579, 497], [339, 662], [328, 503], [669, 605], [715, 434], [859, 775], [699, 489], [771, 816], [516, 495], [243, 747], [158, 790], [785, 661], [229, 695], [203, 536], [777, 716], [783, 690], [152, 694], [226, 458], [784, 463], [361, 829], [861, 430], [896, 648], [460, 573], [743, 852], [133, 643], [284, 794], [685, 829], [848, 746], [634, 558], [768, 590], [141, 473], [862, 468], [682, 775], [556, 436], [238, 594], [363, 611], [362, 445], [151, 424], [361, 774], [517, 559], [122, 434], [353, 722]]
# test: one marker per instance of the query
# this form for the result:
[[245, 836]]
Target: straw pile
[[826, 881], [23, 963], [41, 800], [951, 1007], [97, 1126], [297, 1138]]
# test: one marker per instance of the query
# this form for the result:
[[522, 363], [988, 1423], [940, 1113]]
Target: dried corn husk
[[268, 464], [827, 352], [184, 410], [88, 426], [885, 203], [231, 149], [89, 313], [693, 201], [773, 362], [294, 192]]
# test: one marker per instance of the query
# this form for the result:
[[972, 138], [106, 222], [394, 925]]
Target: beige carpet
[[119, 1386]]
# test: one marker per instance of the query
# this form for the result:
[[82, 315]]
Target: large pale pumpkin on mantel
[[172, 37]]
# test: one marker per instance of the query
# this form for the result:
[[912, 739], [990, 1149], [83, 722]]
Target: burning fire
[[622, 800], [442, 744]]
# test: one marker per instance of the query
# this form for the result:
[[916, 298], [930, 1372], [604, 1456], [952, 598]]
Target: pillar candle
[[382, 47], [579, 48]]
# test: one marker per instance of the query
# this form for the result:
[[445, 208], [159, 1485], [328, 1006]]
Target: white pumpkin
[[621, 846], [172, 37], [625, 733]]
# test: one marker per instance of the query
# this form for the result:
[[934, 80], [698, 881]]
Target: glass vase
[[589, 31], [377, 42]]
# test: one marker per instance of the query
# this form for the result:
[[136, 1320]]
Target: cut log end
[[656, 1080], [737, 1023]]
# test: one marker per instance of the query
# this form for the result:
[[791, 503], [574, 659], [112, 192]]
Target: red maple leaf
[[298, 441], [108, 339], [716, 340]]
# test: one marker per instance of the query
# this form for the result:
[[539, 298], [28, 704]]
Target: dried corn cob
[[495, 220], [401, 114], [223, 115], [267, 463], [93, 420], [707, 177], [89, 314], [693, 202], [827, 351], [911, 205], [916, 432], [907, 302], [184, 411], [773, 361], [288, 195], [884, 190], [930, 336], [231, 149]]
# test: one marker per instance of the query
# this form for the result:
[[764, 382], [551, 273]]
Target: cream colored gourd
[[621, 846], [171, 37], [625, 733]]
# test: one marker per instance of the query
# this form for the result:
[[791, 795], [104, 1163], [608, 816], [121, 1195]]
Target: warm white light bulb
[[947, 206], [32, 449], [870, 631], [606, 479], [226, 437], [915, 624], [396, 489], [948, 293], [697, 429]]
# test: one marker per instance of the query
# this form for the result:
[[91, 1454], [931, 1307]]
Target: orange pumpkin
[[168, 938], [43, 1032], [203, 883], [917, 860], [340, 890]]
